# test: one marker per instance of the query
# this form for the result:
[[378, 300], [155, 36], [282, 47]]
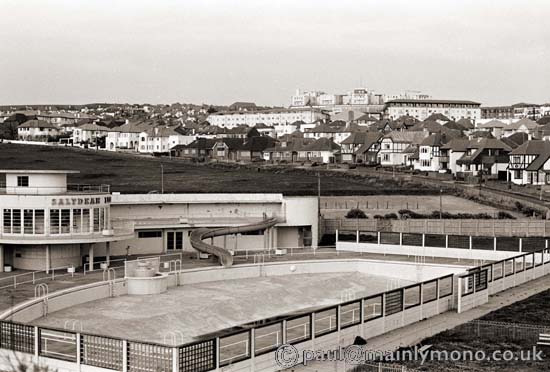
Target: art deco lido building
[[47, 223]]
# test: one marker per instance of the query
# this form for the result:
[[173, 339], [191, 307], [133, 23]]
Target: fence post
[[520, 248], [378, 237], [357, 237], [124, 356], [470, 242], [175, 359], [336, 241], [495, 243], [423, 240], [36, 341], [78, 356]]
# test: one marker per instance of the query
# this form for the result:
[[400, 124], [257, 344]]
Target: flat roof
[[34, 171]]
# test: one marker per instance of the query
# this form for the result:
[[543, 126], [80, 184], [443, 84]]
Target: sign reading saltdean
[[56, 202]]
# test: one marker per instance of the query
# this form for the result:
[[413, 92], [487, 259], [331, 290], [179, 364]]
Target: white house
[[88, 133], [126, 136], [430, 158], [393, 147], [529, 163], [36, 130], [161, 139]]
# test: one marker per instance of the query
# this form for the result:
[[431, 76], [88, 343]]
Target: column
[[91, 257], [108, 253], [1, 258], [48, 259]]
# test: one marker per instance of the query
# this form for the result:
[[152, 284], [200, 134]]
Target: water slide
[[225, 257]]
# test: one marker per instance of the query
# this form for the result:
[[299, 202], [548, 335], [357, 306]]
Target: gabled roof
[[360, 138], [465, 123], [534, 147], [37, 124], [481, 133], [414, 137], [93, 127], [527, 123], [492, 124], [457, 145], [322, 144], [515, 139], [437, 116], [162, 131], [407, 120], [435, 139], [544, 120]]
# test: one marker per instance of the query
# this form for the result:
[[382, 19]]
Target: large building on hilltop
[[422, 108]]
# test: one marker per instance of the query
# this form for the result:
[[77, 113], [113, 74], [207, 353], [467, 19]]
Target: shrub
[[505, 216], [356, 213], [390, 216]]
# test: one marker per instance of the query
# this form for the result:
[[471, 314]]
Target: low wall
[[393, 269], [36, 308]]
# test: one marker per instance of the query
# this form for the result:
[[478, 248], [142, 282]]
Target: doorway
[[174, 241]]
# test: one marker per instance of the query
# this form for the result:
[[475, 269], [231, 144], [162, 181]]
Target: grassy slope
[[134, 174]]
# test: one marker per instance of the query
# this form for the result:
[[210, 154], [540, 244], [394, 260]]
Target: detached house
[[88, 133], [395, 147], [530, 163], [430, 157], [489, 155], [198, 150], [161, 139], [323, 150], [361, 147], [287, 149], [36, 130]]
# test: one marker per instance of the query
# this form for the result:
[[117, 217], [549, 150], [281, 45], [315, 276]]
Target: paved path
[[414, 333]]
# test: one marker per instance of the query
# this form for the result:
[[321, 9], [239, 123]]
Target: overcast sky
[[495, 52]]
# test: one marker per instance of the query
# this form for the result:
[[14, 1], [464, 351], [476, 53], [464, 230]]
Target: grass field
[[141, 174]]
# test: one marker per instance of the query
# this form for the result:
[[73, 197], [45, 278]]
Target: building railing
[[237, 344], [252, 340], [70, 188]]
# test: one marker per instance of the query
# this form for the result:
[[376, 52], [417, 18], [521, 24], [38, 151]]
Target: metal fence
[[490, 243], [503, 331]]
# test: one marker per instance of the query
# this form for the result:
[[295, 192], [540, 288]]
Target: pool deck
[[200, 309]]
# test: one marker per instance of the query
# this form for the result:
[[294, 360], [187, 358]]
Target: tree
[[356, 213]]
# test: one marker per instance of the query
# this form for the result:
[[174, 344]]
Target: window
[[372, 308], [28, 221], [54, 221], [39, 221], [65, 221], [16, 221], [150, 234], [85, 220], [23, 181], [7, 221], [96, 219]]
